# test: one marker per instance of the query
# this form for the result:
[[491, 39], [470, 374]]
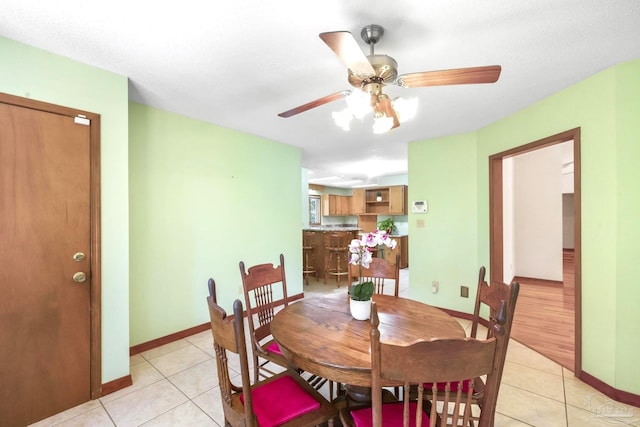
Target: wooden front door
[[45, 249]]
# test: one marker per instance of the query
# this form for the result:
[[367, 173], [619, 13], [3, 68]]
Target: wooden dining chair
[[447, 361], [212, 289], [284, 399], [379, 270], [499, 300], [488, 298], [258, 284]]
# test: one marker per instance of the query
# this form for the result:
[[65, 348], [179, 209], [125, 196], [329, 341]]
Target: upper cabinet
[[357, 201], [398, 200], [333, 204], [390, 200], [381, 200]]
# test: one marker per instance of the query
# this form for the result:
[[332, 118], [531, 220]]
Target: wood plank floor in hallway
[[545, 315]]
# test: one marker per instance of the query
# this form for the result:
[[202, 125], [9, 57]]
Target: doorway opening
[[500, 226]]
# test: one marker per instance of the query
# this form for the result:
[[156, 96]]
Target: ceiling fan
[[372, 72]]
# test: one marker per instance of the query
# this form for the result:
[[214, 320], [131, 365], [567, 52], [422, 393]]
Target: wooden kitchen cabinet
[[398, 200], [345, 204], [336, 205], [371, 202], [386, 200], [390, 200], [357, 201], [402, 248]]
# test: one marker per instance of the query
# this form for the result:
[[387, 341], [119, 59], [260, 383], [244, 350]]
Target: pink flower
[[361, 249]]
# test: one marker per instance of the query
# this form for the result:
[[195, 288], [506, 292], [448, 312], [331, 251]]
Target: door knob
[[79, 277], [78, 256]]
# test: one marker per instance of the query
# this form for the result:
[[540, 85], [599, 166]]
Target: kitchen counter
[[402, 249], [330, 228], [393, 236]]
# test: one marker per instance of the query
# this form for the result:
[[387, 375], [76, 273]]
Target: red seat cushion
[[454, 386], [392, 415], [274, 348], [279, 401]]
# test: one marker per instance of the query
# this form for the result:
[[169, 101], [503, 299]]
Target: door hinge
[[81, 119]]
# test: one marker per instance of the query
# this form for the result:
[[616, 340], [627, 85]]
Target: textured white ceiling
[[240, 63]]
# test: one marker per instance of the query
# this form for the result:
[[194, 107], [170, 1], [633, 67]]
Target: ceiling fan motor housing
[[386, 69]]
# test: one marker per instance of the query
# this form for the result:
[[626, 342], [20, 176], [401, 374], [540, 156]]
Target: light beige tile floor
[[176, 385]]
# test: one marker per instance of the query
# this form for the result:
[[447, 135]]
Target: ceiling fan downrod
[[371, 34]]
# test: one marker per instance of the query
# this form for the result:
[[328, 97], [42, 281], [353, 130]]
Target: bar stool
[[308, 256], [336, 247]]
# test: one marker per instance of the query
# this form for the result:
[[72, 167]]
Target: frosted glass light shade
[[405, 108], [382, 124], [343, 118]]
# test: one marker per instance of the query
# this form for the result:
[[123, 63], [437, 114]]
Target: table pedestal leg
[[358, 394]]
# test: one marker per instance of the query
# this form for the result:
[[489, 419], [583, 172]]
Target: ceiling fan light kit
[[387, 113], [372, 72]]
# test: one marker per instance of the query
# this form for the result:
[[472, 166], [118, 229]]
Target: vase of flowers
[[361, 255]]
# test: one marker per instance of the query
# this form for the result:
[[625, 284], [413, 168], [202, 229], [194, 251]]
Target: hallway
[[545, 315]]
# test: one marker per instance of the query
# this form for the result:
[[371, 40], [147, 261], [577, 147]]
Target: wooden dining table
[[319, 335]]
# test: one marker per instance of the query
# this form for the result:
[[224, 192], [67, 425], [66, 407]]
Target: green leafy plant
[[361, 291], [387, 225]]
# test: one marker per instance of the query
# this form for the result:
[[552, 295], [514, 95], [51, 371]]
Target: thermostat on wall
[[419, 206]]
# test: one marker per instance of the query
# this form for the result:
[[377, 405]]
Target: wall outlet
[[435, 286], [464, 291], [420, 223]]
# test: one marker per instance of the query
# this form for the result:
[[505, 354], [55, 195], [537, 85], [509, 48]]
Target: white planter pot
[[360, 310]]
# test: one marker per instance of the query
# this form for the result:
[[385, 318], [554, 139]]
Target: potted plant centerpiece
[[361, 255]]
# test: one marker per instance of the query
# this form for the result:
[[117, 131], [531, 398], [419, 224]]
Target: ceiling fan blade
[[387, 109], [346, 47], [315, 103], [457, 76]]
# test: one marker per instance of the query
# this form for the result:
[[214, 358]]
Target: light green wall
[[605, 107], [590, 106], [628, 211], [36, 74], [202, 199], [443, 172]]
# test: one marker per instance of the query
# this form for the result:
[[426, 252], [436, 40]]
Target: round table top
[[320, 336]]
